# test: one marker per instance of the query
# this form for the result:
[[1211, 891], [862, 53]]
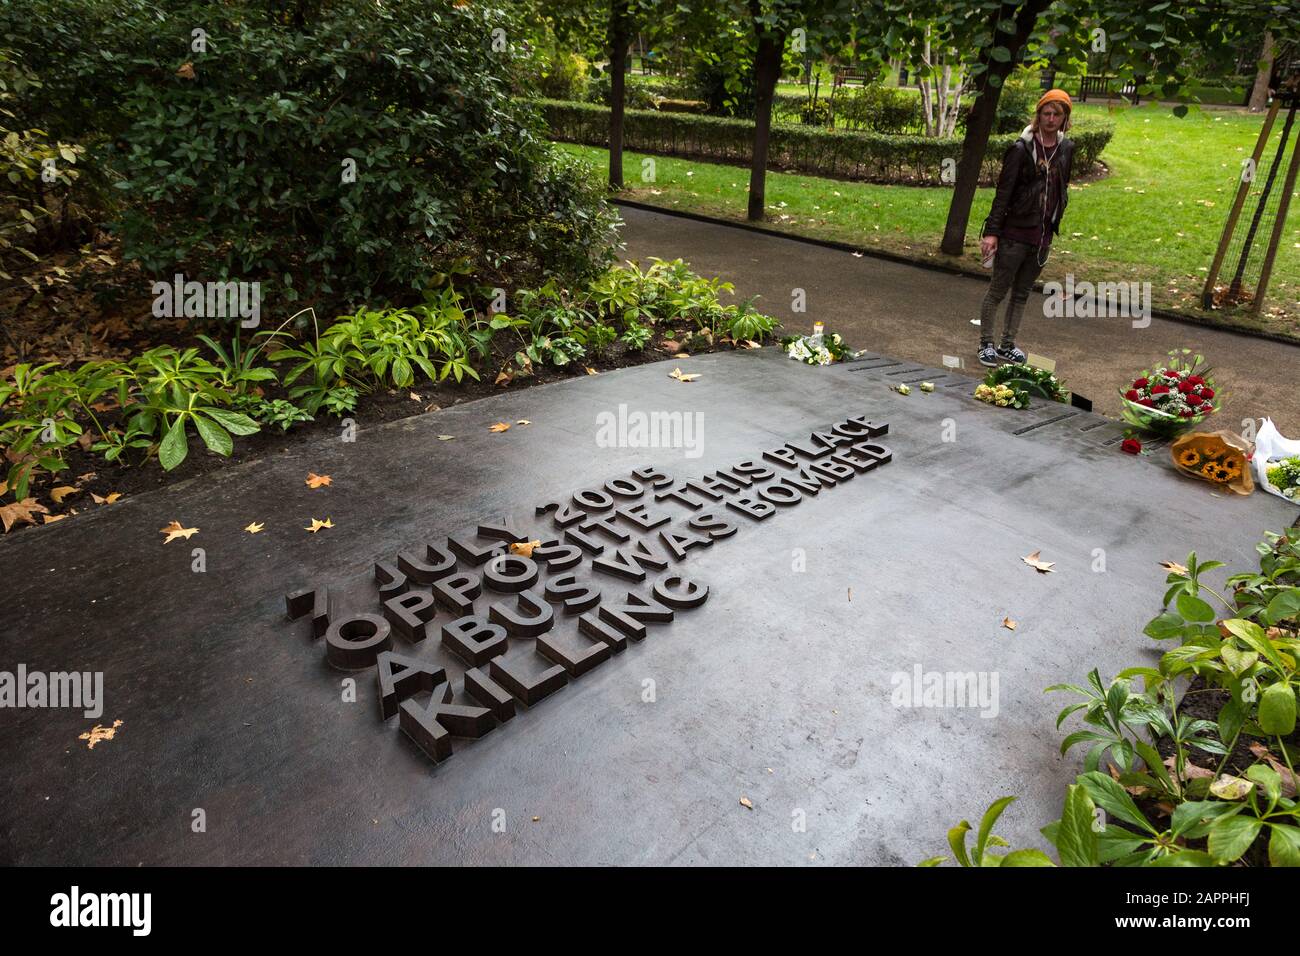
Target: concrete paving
[[781, 688], [920, 315]]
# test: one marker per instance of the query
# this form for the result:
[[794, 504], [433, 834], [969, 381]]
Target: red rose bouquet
[[1171, 396]]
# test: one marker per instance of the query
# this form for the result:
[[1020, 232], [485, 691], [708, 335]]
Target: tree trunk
[[619, 40], [767, 69], [1259, 92], [980, 124]]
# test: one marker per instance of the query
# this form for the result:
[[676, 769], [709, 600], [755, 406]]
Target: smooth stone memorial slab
[[779, 687]]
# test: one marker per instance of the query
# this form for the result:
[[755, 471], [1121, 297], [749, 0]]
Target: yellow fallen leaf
[[108, 500], [499, 427], [4, 487], [86, 477], [50, 519], [525, 548], [175, 530], [523, 421], [415, 398], [315, 481], [255, 527], [751, 344], [99, 733], [21, 511], [446, 437], [504, 378], [61, 492], [317, 524], [744, 802], [677, 374], [1041, 566], [185, 71], [590, 370], [1009, 624]]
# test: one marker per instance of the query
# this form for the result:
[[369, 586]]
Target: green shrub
[[879, 108], [875, 157], [234, 160], [564, 76]]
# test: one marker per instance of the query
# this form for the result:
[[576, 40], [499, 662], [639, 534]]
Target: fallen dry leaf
[[99, 733], [850, 595], [446, 437], [415, 398], [504, 377], [744, 802], [185, 71], [1190, 770], [535, 819], [1174, 567], [86, 477], [315, 481], [84, 440], [255, 527], [499, 427], [1288, 779], [523, 421], [750, 344], [4, 487], [317, 524], [112, 496], [525, 548], [1041, 566], [590, 370], [61, 492], [21, 511], [1009, 624], [50, 519], [174, 530], [669, 345], [677, 374], [1228, 787]]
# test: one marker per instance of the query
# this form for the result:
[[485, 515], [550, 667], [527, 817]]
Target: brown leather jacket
[[1020, 186]]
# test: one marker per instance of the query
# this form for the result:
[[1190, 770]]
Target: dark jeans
[[1014, 269]]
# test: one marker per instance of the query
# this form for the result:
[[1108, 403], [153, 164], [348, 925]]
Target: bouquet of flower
[[1220, 457], [816, 349], [1171, 397], [1285, 477], [1012, 384]]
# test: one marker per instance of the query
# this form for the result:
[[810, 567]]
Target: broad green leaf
[[1277, 710], [214, 436], [1192, 815], [1232, 836], [1185, 858], [1284, 605], [933, 861], [174, 447], [1020, 858], [1111, 797], [1076, 841], [1283, 845], [1194, 609], [986, 824], [957, 840], [233, 422]]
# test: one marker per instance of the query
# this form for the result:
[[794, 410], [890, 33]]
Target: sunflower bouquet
[[1011, 385], [1219, 457], [1171, 396]]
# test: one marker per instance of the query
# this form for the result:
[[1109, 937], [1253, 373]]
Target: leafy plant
[[637, 337]]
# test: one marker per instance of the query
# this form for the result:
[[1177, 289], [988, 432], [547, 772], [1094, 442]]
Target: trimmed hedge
[[873, 157]]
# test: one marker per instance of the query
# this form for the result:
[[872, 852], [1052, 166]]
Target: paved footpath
[[921, 315]]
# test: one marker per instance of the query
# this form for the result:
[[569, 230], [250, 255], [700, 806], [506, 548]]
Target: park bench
[[851, 78], [1101, 86]]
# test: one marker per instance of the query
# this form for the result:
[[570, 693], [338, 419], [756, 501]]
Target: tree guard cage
[[1243, 261]]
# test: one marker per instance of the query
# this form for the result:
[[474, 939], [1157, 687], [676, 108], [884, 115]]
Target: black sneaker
[[1010, 353], [988, 355]]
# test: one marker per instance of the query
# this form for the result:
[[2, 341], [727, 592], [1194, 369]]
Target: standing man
[[1033, 191]]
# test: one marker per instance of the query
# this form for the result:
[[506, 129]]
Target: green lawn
[[1156, 217]]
